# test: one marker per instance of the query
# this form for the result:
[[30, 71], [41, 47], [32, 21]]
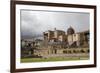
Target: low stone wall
[[68, 52], [67, 55]]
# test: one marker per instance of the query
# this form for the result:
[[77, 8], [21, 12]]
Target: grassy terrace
[[28, 60]]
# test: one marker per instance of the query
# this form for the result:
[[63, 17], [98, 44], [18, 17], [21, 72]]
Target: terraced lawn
[[28, 60]]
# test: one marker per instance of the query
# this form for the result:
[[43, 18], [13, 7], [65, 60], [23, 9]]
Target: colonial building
[[59, 43], [71, 38]]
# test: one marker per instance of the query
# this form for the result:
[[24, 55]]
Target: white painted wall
[[5, 36]]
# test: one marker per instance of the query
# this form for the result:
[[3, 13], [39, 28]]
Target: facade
[[71, 38], [54, 35], [60, 43]]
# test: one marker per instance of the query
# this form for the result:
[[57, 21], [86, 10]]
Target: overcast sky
[[34, 23]]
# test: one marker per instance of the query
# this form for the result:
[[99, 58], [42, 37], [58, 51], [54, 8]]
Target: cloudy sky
[[34, 23]]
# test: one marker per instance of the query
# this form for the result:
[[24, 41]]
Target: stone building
[[71, 38], [59, 43], [56, 35], [80, 39]]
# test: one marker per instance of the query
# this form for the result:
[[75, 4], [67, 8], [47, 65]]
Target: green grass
[[27, 60]]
